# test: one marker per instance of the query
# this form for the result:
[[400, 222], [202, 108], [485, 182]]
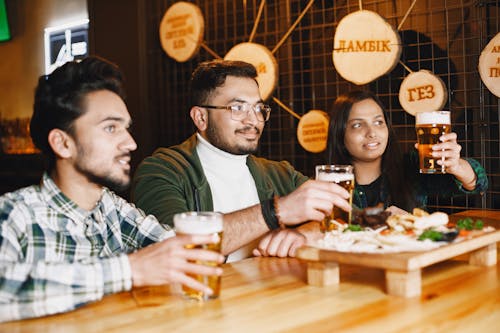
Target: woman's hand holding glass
[[447, 153]]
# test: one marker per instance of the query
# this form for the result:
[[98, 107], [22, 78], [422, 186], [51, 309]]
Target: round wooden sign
[[365, 47], [263, 60], [489, 65], [312, 131], [181, 31], [422, 91]]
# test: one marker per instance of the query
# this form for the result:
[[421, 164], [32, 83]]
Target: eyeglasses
[[240, 111]]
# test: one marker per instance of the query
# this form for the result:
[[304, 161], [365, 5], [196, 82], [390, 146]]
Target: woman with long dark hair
[[360, 134]]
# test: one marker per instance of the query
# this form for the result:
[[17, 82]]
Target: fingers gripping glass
[[240, 111]]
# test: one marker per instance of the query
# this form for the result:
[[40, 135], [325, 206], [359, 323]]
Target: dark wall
[[18, 171], [117, 33]]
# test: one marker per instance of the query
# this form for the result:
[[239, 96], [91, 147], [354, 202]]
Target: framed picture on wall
[[65, 43]]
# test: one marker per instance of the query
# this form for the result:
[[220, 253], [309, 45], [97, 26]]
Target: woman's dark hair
[[212, 74], [59, 97], [394, 171]]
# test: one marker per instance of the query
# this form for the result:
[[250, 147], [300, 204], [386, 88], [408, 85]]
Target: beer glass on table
[[430, 125], [344, 176], [201, 223]]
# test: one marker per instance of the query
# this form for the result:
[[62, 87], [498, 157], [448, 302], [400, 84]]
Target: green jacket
[[172, 181]]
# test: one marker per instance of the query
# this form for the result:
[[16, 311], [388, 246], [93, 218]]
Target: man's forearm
[[242, 227], [36, 286], [311, 231]]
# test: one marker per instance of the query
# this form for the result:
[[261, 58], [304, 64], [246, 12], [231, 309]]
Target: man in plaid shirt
[[71, 240]]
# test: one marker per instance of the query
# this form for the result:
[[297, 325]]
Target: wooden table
[[271, 295]]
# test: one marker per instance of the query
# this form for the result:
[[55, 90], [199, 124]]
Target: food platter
[[373, 241], [402, 269]]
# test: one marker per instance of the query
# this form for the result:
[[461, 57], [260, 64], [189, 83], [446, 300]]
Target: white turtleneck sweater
[[231, 183]]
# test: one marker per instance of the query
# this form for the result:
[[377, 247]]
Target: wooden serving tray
[[402, 270]]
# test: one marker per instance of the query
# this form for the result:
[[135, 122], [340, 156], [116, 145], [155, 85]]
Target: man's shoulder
[[274, 168], [271, 164], [115, 202], [174, 164], [281, 175], [173, 154], [26, 195], [21, 202]]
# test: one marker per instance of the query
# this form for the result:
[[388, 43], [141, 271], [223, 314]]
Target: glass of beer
[[201, 223], [344, 176], [430, 125]]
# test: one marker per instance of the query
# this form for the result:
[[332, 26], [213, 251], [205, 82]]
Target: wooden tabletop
[[272, 295]]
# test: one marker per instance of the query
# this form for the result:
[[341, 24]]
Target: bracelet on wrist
[[277, 212], [267, 207]]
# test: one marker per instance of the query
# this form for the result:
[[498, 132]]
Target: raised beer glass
[[344, 176], [430, 125], [201, 223]]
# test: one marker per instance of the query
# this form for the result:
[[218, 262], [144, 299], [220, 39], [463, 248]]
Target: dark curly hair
[[212, 74], [59, 97]]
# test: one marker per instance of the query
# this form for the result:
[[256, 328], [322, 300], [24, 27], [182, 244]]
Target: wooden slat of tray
[[405, 261]]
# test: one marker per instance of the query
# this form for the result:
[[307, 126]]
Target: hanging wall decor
[[263, 60], [422, 91], [365, 47], [312, 131], [489, 65], [181, 31]]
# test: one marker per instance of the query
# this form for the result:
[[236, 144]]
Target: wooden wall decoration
[[312, 131], [365, 47], [422, 91], [263, 60], [489, 65], [181, 31]]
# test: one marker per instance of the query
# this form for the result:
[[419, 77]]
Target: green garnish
[[479, 225], [433, 235], [465, 224], [469, 224], [353, 227]]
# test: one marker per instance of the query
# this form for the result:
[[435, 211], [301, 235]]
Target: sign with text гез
[[422, 91]]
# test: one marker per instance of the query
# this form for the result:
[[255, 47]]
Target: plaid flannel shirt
[[55, 256]]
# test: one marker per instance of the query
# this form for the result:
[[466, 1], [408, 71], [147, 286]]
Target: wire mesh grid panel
[[443, 36]]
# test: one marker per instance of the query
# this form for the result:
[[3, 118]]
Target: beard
[[217, 140], [114, 183]]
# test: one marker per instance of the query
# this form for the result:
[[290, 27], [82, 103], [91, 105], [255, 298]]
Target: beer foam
[[198, 223], [334, 176], [436, 117]]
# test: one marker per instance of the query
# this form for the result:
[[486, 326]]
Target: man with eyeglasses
[[266, 204]]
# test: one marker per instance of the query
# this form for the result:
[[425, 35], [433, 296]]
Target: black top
[[371, 192]]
